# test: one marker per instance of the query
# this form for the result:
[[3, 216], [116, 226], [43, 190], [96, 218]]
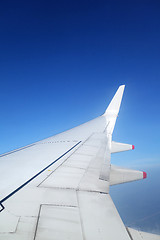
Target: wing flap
[[60, 222], [99, 217]]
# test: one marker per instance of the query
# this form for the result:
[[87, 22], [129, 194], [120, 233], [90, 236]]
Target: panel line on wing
[[24, 184], [64, 162], [17, 150]]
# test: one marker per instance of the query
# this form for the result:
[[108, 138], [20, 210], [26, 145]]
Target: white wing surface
[[58, 188]]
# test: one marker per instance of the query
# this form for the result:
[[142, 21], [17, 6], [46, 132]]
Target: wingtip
[[122, 86]]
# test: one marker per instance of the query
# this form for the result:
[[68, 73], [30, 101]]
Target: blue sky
[[62, 61]]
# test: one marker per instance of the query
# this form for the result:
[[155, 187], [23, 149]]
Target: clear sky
[[62, 61]]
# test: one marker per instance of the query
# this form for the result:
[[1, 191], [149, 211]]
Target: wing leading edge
[[61, 186]]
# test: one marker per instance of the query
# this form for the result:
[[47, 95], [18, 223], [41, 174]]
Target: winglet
[[112, 111], [114, 105]]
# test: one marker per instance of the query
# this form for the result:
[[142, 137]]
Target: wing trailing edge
[[140, 235]]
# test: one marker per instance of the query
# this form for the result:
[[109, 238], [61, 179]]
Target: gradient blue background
[[60, 64]]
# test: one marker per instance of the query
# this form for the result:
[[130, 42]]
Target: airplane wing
[[58, 188]]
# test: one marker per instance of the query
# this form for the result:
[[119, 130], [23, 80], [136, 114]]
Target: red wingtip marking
[[144, 174], [133, 147]]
